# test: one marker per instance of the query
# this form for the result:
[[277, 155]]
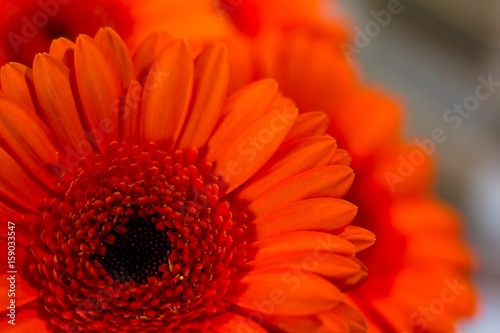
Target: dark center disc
[[137, 253]]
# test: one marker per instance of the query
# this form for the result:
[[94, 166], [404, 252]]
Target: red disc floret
[[137, 240]]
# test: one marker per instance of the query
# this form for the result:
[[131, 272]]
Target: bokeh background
[[429, 56]]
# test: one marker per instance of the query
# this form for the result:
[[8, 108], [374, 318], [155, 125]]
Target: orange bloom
[[419, 268], [29, 26], [144, 199]]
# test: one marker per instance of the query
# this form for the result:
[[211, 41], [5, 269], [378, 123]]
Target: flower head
[[147, 200]]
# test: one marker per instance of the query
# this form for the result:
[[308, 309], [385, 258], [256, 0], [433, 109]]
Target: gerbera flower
[[146, 200], [420, 255], [29, 26]]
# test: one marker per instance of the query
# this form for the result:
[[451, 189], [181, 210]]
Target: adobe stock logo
[[454, 118], [363, 37], [31, 26]]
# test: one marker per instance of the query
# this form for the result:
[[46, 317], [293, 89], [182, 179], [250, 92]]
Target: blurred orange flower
[[29, 26], [144, 199], [419, 267]]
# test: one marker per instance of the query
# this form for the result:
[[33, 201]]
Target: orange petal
[[167, 93], [211, 79], [16, 81], [243, 107], [17, 186], [52, 84], [322, 214], [344, 270], [292, 294], [330, 181], [63, 50], [30, 142], [117, 54], [343, 318], [232, 322], [290, 160], [282, 102], [130, 114], [341, 157], [268, 249], [99, 88], [248, 151], [360, 237], [308, 124], [148, 51], [295, 324]]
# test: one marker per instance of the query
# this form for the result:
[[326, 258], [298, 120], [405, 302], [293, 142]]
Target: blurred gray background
[[430, 55]]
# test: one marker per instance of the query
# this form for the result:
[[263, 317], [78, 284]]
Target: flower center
[[135, 240], [135, 252]]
